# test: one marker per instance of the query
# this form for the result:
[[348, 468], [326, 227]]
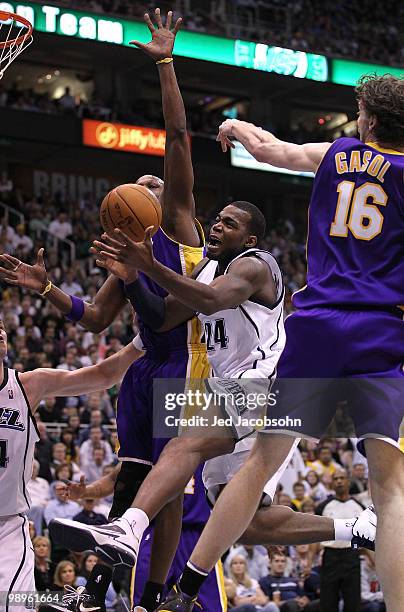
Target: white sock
[[138, 520], [343, 529]]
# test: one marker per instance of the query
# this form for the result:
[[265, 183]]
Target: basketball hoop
[[15, 37]]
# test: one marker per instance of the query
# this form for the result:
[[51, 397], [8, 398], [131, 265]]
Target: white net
[[15, 37]]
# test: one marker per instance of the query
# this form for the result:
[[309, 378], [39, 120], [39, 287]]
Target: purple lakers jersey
[[196, 508], [355, 245], [181, 259]]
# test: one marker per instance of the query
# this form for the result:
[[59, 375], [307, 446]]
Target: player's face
[[154, 183], [230, 234], [364, 123], [3, 340]]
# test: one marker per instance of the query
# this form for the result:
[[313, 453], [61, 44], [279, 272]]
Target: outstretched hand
[[121, 249], [224, 135], [16, 272], [72, 490], [162, 43]]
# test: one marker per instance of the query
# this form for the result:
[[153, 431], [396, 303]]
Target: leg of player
[[119, 542], [166, 536], [232, 513], [281, 525], [237, 504], [386, 471]]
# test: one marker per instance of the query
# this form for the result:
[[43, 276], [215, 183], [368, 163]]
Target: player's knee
[[386, 471]]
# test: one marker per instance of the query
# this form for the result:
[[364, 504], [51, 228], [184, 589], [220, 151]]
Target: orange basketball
[[132, 208]]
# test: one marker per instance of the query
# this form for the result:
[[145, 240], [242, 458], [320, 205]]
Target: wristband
[[47, 288], [77, 311], [138, 343], [166, 60]]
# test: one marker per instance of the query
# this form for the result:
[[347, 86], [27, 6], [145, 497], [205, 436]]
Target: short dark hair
[[257, 221], [383, 97]]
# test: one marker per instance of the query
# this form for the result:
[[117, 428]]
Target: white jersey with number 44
[[18, 435], [245, 341]]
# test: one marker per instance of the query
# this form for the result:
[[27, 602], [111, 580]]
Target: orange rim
[[5, 16]]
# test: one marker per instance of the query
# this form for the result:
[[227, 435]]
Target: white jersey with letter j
[[246, 341], [18, 435]]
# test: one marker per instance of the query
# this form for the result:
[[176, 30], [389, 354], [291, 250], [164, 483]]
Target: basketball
[[132, 208]]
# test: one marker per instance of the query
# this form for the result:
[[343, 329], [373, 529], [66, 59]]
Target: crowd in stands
[[144, 113], [78, 435], [359, 29]]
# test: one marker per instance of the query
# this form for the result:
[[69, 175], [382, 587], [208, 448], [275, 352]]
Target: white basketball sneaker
[[114, 542], [364, 529]]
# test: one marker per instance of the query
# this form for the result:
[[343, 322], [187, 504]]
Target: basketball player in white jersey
[[20, 395], [237, 292]]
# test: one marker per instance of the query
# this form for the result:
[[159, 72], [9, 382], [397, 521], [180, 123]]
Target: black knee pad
[[127, 485]]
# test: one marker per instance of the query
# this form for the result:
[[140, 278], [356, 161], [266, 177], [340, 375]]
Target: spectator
[[44, 568], [61, 226], [325, 462], [49, 411], [293, 473], [315, 488], [88, 516], [65, 575], [256, 557], [67, 102], [248, 591], [94, 470], [372, 599], [299, 495], [67, 438], [95, 441], [359, 482], [70, 286], [22, 244], [285, 591], [60, 507], [6, 184], [340, 571], [96, 420], [39, 492]]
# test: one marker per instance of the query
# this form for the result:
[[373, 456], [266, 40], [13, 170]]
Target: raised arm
[[177, 199], [96, 316], [265, 147], [46, 382]]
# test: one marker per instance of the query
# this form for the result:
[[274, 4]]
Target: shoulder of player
[[251, 267], [199, 267]]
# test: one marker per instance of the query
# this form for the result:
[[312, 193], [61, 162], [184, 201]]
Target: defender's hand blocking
[[73, 490], [225, 133], [162, 43], [122, 249], [19, 273], [125, 273]]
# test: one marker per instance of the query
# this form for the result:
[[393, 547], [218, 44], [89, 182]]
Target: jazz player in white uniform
[[237, 292], [20, 395]]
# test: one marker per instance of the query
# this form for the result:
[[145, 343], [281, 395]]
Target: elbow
[[177, 132], [209, 306]]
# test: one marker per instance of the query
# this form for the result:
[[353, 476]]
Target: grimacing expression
[[230, 234], [154, 183]]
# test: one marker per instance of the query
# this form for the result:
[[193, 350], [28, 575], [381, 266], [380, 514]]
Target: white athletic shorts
[[220, 470], [16, 559]]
